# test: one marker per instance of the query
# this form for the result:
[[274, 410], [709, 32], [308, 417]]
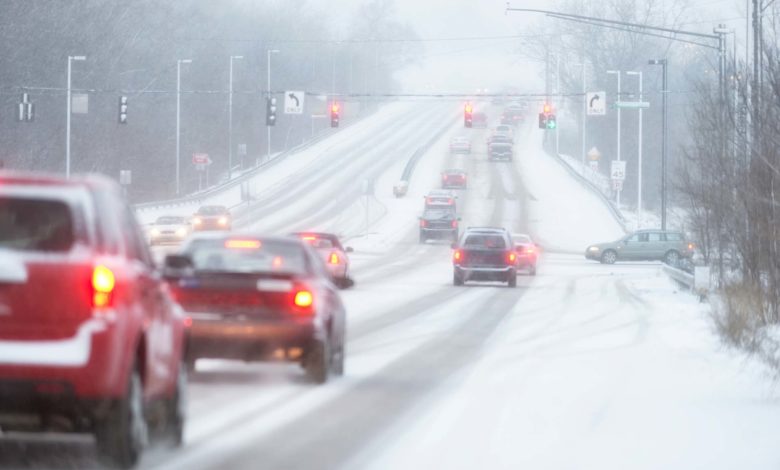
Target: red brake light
[[334, 258], [511, 257], [450, 201], [303, 299], [454, 224], [530, 249], [103, 283], [308, 238], [457, 256], [423, 223], [243, 244]]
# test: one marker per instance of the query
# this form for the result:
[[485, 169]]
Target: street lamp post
[[268, 68], [178, 121], [230, 117], [639, 157], [617, 73], [71, 58], [664, 131]]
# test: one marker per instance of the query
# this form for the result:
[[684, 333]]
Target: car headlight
[[222, 221], [197, 221], [154, 232], [182, 232], [593, 248]]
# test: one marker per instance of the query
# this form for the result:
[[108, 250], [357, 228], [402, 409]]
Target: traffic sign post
[[618, 175], [293, 102], [597, 103]]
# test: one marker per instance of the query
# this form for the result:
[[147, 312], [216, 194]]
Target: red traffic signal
[[334, 114]]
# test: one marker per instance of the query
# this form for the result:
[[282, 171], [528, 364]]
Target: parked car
[[484, 254], [169, 229], [212, 218], [333, 254], [90, 339], [644, 245], [257, 298], [527, 253]]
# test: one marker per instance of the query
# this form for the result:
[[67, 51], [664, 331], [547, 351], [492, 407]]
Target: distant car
[[479, 120], [527, 253], [513, 115], [499, 138], [212, 218], [440, 199], [484, 254], [256, 298], [333, 254], [169, 229], [500, 151], [504, 129], [644, 245], [439, 223], [90, 339], [453, 179], [460, 145]]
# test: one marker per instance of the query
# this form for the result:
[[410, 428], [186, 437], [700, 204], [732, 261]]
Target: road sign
[[79, 103], [618, 170], [633, 104], [201, 159], [594, 154], [594, 165], [597, 103], [617, 185], [242, 149], [293, 102], [125, 177]]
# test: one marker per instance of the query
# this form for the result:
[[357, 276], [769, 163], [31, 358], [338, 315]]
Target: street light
[[639, 156], [617, 73], [230, 117], [268, 68], [71, 58], [664, 131], [178, 120]]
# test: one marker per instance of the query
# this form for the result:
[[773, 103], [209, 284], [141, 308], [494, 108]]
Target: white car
[[169, 229]]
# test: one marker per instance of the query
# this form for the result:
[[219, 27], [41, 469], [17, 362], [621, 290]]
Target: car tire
[[318, 361], [609, 257], [512, 280], [532, 272], [672, 258], [177, 409], [123, 432], [457, 280]]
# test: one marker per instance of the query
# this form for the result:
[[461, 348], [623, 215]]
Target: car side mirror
[[177, 266], [349, 249]]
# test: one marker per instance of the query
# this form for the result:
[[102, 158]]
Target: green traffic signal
[[551, 121]]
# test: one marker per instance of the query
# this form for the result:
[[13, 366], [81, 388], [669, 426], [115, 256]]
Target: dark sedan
[[259, 298]]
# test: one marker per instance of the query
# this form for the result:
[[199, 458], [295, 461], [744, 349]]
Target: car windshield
[[36, 225], [168, 220], [247, 256], [212, 210]]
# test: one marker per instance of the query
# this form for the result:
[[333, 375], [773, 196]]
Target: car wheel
[[457, 280], [177, 409], [609, 257], [672, 258], [512, 280], [532, 271], [122, 434], [318, 361]]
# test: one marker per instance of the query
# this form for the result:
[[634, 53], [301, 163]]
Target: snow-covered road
[[582, 366]]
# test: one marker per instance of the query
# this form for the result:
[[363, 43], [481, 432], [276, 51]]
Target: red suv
[[90, 340]]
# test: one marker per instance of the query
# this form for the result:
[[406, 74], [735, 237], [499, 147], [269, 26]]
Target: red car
[[453, 179], [527, 253], [259, 298], [333, 254], [90, 339]]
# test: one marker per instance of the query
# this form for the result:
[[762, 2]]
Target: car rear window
[[485, 241], [171, 221], [36, 225], [247, 256], [318, 242], [212, 210]]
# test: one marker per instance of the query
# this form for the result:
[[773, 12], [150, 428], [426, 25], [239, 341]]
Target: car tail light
[[511, 257], [334, 258], [457, 256], [530, 249], [303, 299], [454, 224], [103, 283], [450, 201], [423, 223], [691, 246]]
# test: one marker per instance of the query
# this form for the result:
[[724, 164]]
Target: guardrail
[[698, 282], [594, 189], [402, 186]]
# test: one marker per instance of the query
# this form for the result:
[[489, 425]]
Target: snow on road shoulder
[[566, 216]]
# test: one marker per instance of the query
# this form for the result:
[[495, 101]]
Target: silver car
[[643, 245]]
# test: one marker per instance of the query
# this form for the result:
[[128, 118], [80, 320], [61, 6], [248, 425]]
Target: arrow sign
[[293, 102], [596, 101]]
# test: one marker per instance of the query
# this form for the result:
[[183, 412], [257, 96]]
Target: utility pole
[[664, 133], [230, 117], [67, 115], [617, 73], [639, 157]]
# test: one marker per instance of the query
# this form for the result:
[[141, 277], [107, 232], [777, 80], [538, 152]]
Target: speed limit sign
[[618, 170]]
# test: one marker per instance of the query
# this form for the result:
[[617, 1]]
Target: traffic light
[[123, 109], [334, 114], [551, 121], [467, 114], [547, 108], [270, 111], [542, 121]]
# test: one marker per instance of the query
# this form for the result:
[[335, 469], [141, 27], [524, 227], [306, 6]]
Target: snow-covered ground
[[582, 366]]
